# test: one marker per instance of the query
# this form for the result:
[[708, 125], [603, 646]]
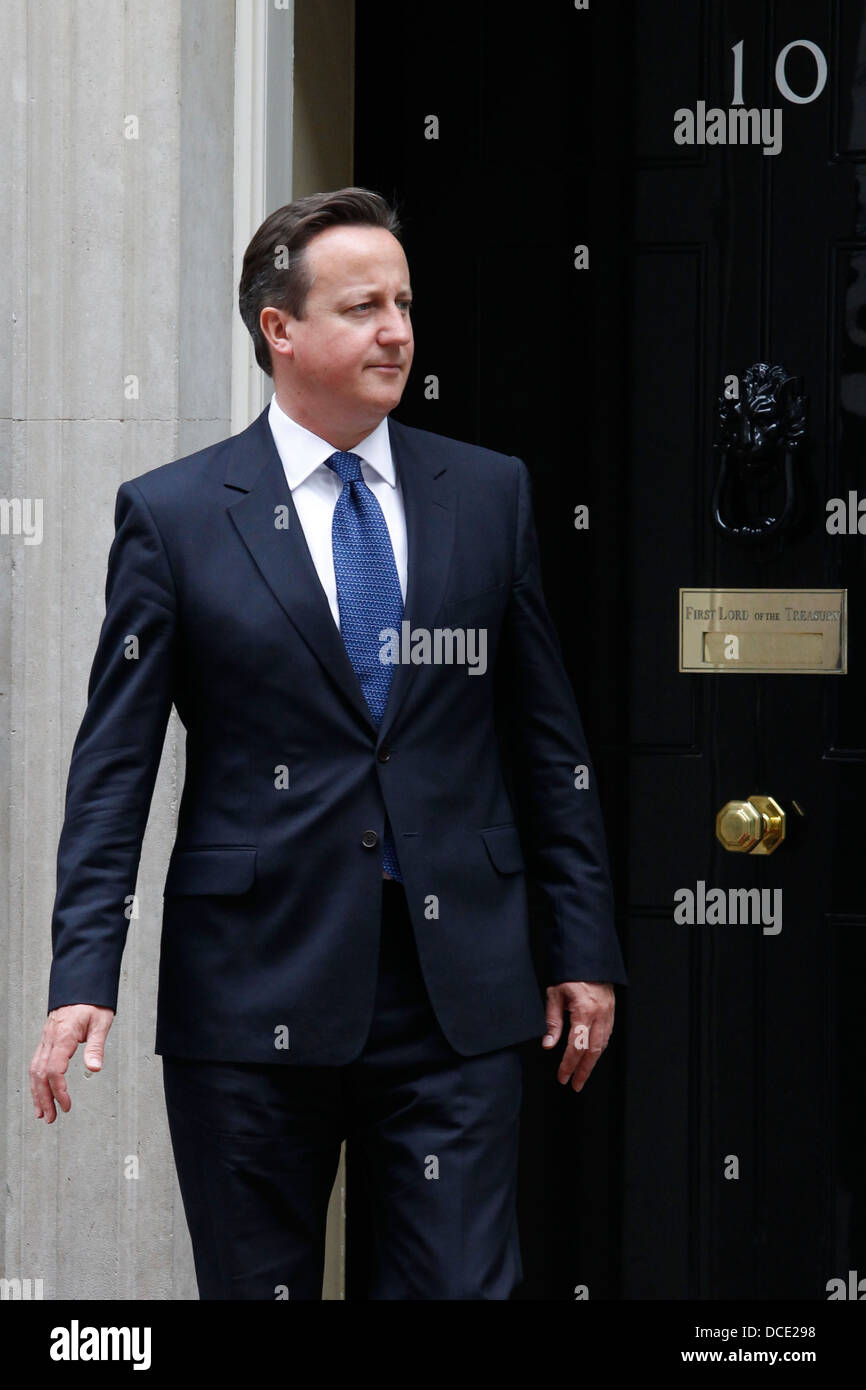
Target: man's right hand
[[64, 1029]]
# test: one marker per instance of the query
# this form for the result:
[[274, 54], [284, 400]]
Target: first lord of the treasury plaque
[[778, 631]]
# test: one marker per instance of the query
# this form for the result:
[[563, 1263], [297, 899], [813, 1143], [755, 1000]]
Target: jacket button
[[383, 754], [369, 839]]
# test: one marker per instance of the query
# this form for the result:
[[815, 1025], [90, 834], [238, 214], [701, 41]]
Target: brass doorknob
[[756, 826]]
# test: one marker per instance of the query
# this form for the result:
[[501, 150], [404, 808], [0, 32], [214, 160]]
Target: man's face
[[345, 363]]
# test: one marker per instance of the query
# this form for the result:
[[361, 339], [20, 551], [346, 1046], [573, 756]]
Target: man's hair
[[275, 271]]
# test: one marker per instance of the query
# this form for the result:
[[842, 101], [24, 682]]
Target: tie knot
[[347, 465]]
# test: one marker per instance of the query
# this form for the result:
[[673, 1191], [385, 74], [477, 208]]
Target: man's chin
[[388, 394]]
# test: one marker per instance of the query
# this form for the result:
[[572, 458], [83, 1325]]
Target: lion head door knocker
[[759, 435]]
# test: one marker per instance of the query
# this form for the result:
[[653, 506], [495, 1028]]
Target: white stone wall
[[121, 266]]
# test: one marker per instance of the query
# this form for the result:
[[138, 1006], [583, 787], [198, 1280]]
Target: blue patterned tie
[[368, 595]]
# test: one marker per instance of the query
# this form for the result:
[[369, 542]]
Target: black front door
[[594, 268], [744, 1143]]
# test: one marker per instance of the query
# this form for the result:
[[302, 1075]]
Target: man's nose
[[396, 327]]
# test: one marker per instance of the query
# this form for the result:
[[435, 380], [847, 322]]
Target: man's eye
[[404, 303]]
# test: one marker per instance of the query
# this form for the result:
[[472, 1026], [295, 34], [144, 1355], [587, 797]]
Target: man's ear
[[276, 325]]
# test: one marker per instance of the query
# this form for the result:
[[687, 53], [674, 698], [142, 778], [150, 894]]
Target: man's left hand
[[590, 1007]]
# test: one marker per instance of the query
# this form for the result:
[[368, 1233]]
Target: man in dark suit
[[348, 615]]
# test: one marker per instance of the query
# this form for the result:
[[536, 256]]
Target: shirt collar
[[301, 451]]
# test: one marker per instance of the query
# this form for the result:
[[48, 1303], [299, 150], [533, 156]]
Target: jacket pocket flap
[[204, 871], [504, 848]]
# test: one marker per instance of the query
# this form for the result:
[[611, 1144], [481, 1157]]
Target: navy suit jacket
[[271, 911]]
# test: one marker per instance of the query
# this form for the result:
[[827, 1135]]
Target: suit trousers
[[257, 1148]]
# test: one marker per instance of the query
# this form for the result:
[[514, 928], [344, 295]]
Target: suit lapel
[[268, 524]]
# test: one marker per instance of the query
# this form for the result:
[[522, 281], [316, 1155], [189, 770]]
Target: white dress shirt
[[315, 488]]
